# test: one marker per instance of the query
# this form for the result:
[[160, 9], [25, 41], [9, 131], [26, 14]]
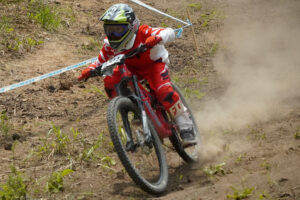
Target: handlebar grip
[[96, 72], [80, 78]]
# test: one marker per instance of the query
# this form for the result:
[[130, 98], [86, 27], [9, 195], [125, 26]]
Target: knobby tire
[[158, 187], [175, 137]]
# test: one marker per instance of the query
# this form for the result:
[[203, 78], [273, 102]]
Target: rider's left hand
[[152, 41], [86, 72]]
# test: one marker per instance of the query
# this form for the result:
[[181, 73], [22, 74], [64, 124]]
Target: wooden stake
[[193, 32]]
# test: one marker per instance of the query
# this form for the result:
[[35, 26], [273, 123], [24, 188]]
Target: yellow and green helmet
[[120, 25]]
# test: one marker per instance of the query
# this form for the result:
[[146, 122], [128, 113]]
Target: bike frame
[[144, 100]]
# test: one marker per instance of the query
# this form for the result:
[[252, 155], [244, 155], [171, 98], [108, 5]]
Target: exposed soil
[[244, 89]]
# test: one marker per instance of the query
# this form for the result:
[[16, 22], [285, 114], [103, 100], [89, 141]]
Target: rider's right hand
[[86, 72], [152, 41]]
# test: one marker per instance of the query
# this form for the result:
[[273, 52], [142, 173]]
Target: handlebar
[[107, 67]]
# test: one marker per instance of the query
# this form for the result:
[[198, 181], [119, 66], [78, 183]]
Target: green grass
[[46, 15], [12, 40], [97, 90], [55, 182], [195, 6], [264, 196], [38, 14], [240, 158], [240, 194], [5, 126], [15, 187], [214, 49], [208, 17], [10, 1], [61, 140], [192, 93], [215, 169], [257, 133], [266, 165]]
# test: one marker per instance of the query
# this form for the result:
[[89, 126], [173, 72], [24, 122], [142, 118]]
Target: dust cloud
[[259, 60]]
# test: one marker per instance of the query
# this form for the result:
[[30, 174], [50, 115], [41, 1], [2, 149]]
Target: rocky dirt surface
[[244, 89]]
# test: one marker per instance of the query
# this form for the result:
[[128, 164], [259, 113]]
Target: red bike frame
[[162, 126]]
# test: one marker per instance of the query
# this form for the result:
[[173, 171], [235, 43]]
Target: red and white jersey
[[145, 59]]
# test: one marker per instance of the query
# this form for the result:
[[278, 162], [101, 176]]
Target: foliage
[[58, 144], [61, 140], [257, 133], [108, 161], [175, 13], [56, 181], [15, 188], [88, 153], [5, 22], [12, 40], [46, 15], [189, 93], [11, 1], [206, 18], [240, 157], [214, 49], [96, 90], [266, 165], [215, 170], [4, 124], [195, 6], [263, 196], [240, 194]]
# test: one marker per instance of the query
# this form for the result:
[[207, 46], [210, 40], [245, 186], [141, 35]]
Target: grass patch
[[46, 15], [56, 181], [215, 170], [4, 125], [191, 93], [195, 6], [208, 17], [10, 1], [266, 165], [240, 194], [14, 188]]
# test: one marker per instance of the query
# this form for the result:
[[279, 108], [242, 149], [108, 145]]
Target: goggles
[[114, 31]]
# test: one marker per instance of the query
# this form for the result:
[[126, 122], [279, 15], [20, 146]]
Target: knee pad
[[170, 100]]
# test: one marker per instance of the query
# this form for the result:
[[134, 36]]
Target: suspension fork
[[143, 112], [129, 144]]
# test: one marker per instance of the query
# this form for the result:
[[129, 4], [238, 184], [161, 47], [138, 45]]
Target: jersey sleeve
[[167, 34], [105, 54]]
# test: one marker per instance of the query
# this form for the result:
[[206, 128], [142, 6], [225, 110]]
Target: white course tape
[[32, 80], [160, 12]]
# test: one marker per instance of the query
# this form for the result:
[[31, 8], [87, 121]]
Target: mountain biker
[[124, 33]]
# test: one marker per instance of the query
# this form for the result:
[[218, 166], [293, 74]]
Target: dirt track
[[249, 110]]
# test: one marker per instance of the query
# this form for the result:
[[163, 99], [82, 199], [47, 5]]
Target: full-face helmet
[[120, 25]]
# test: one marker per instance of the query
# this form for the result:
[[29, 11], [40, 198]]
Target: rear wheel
[[188, 154], [145, 162]]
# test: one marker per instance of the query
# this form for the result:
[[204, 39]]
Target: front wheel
[[188, 154], [145, 163]]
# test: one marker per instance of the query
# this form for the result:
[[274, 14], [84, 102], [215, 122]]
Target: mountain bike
[[138, 124]]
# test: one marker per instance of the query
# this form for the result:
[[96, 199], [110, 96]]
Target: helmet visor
[[115, 31]]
